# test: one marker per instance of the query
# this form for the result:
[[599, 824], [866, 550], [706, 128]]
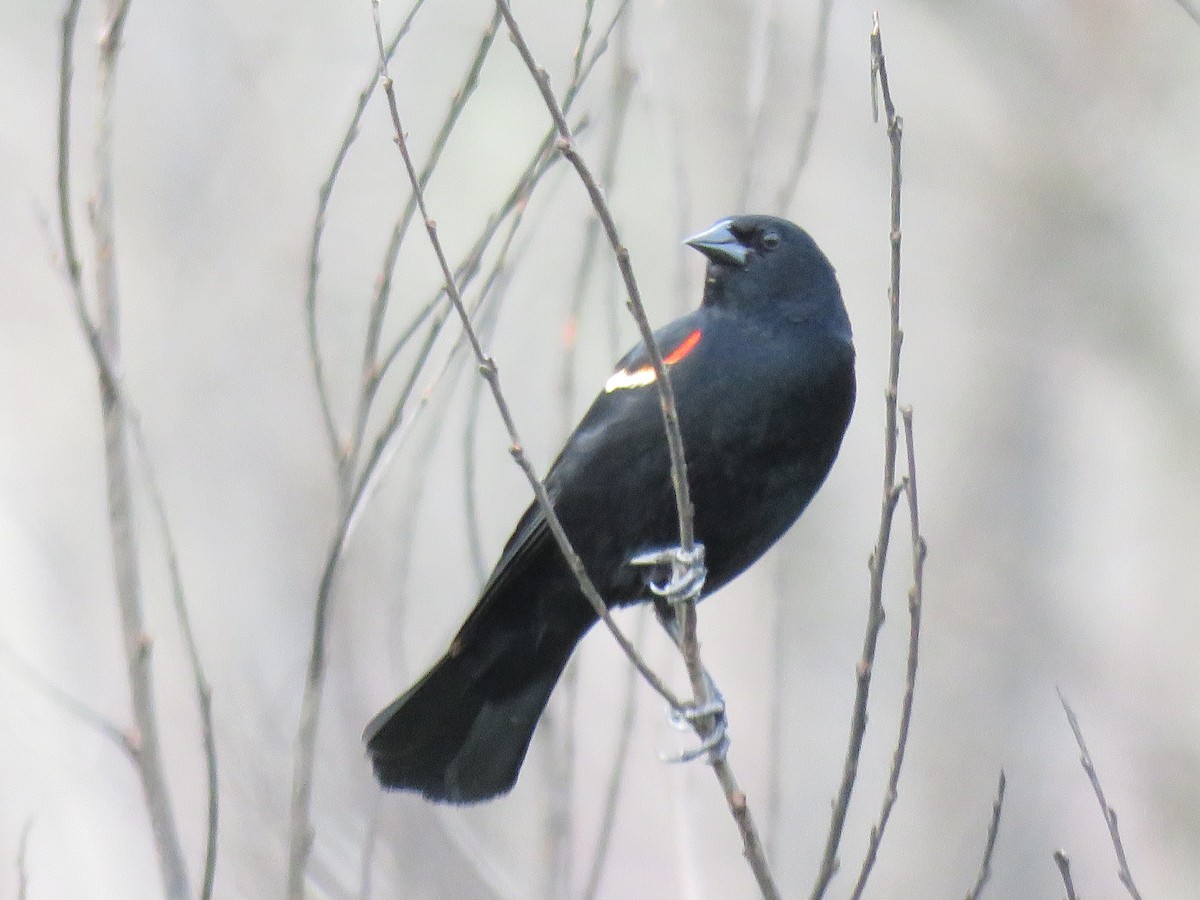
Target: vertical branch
[[891, 491], [985, 865], [915, 597], [147, 753], [1110, 814], [689, 552]]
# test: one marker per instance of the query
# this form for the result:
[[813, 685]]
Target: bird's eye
[[770, 240]]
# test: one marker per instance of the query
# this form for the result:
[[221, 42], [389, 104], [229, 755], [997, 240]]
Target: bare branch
[[371, 375], [1110, 814], [1064, 869], [103, 337], [985, 865], [314, 249], [878, 561], [915, 598]]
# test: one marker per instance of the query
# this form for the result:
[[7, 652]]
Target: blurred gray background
[[1051, 277]]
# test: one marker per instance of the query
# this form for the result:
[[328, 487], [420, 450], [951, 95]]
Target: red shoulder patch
[[688, 345], [644, 375]]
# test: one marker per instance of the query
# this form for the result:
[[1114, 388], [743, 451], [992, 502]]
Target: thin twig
[[1110, 814], [200, 682], [985, 865], [812, 109], [624, 79], [915, 598], [147, 751], [371, 371], [485, 310], [1064, 869], [512, 211], [111, 382], [520, 193], [475, 551], [314, 249], [72, 265], [776, 765], [891, 493], [689, 644], [69, 703]]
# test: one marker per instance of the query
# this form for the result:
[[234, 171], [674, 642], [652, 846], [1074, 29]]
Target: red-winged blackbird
[[763, 374]]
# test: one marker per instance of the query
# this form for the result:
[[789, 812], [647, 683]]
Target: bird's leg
[[706, 717]]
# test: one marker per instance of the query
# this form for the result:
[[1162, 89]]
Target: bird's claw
[[688, 572], [683, 719], [713, 746]]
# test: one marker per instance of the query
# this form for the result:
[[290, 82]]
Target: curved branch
[[891, 494]]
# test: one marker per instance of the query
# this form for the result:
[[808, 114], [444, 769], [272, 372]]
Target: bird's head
[[763, 260]]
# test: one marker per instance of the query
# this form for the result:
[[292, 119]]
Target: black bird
[[763, 374]]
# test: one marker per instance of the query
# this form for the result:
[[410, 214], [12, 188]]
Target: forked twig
[[1110, 814], [891, 493]]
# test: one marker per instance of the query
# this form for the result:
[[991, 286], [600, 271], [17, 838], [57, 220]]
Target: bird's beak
[[720, 245]]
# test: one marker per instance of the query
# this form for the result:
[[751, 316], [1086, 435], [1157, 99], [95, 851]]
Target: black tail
[[461, 733]]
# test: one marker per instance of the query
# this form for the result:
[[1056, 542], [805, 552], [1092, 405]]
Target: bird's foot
[[707, 718], [688, 572], [713, 745]]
